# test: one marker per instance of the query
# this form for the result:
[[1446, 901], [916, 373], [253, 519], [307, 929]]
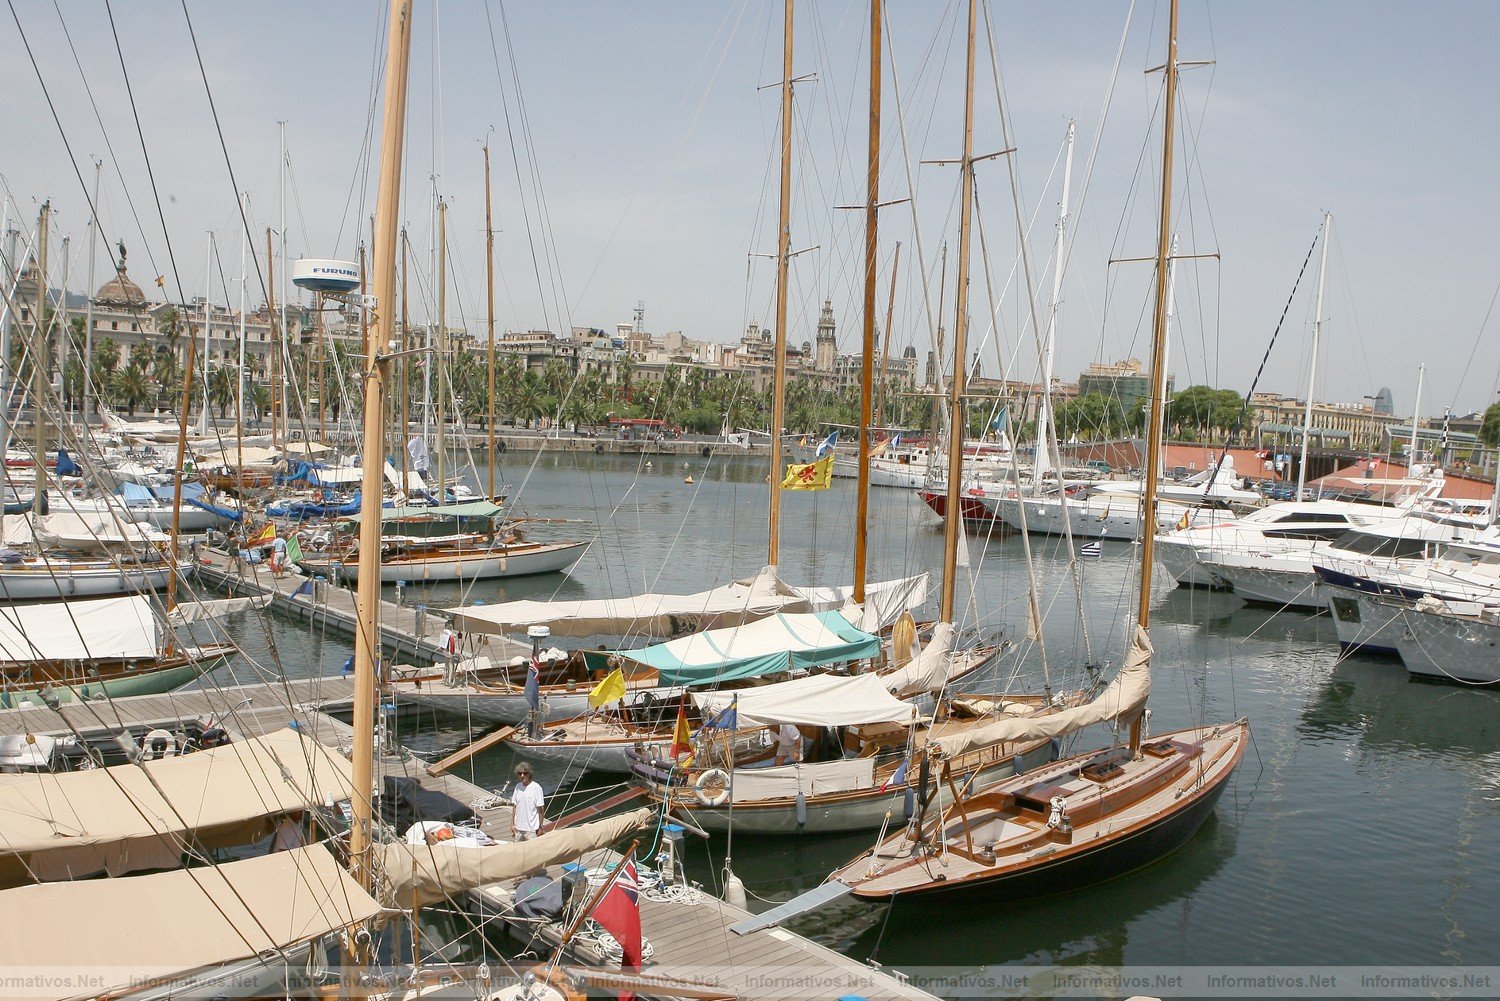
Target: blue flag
[[827, 446], [534, 685], [728, 718]]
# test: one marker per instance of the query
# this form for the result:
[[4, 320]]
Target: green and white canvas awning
[[780, 643]]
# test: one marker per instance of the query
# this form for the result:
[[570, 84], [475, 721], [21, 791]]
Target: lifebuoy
[[708, 779]]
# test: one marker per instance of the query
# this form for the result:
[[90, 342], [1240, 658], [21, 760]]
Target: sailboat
[[1086, 817]]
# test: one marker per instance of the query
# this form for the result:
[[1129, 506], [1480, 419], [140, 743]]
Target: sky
[[634, 159]]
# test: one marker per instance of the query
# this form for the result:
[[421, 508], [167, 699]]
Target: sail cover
[[112, 935], [929, 670], [133, 817], [1123, 699], [783, 642], [437, 872], [676, 614], [100, 629], [817, 700]]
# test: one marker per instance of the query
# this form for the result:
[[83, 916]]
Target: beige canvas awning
[[129, 818], [436, 872], [105, 936]]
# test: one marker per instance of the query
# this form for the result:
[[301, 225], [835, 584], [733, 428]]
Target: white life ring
[[708, 779]]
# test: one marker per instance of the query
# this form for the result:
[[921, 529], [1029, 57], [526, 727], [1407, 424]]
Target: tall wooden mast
[[1158, 333], [441, 361], [867, 369], [953, 523], [381, 332], [783, 260]]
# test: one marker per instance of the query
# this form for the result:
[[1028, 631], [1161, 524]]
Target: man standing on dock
[[526, 817]]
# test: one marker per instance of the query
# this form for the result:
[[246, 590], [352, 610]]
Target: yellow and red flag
[[809, 475], [267, 533], [682, 735]]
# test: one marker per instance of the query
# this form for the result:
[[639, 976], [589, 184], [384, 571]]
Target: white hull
[[1267, 586], [840, 813], [193, 519], [492, 708], [1181, 561], [1449, 647], [1363, 625], [513, 561], [62, 582], [1052, 516]]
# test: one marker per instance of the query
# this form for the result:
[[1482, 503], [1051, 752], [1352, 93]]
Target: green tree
[[133, 386], [1489, 431]]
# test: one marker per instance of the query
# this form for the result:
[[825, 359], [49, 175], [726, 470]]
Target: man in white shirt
[[526, 817], [788, 745]]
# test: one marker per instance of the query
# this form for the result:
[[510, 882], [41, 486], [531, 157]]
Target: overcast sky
[[634, 159]]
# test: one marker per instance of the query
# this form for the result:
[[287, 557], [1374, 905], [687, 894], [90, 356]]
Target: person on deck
[[788, 745], [527, 803]]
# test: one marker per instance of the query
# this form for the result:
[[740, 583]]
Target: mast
[[39, 362], [182, 425], [1312, 366], [275, 366], [1416, 415], [239, 379], [88, 309], [63, 338], [953, 523], [442, 350], [208, 273], [318, 350], [867, 368], [1044, 417], [281, 171], [12, 266], [405, 387], [367, 598], [783, 261], [1158, 349], [489, 288], [885, 351]]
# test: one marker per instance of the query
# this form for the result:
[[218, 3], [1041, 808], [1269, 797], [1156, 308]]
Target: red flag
[[619, 913], [682, 737]]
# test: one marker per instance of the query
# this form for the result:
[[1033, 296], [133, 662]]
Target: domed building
[[120, 291]]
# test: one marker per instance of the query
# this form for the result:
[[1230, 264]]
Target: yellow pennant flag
[[611, 689], [266, 534], [809, 475]]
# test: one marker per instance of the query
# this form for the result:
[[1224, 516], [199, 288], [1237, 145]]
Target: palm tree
[[133, 386], [221, 389]]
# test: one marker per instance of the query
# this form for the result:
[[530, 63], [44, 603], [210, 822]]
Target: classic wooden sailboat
[[1081, 818]]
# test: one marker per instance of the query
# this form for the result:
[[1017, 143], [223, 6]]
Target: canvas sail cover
[[97, 629], [679, 614], [783, 642], [111, 935], [1123, 699], [204, 611], [817, 700], [134, 817], [437, 872], [928, 671], [884, 602], [219, 453]]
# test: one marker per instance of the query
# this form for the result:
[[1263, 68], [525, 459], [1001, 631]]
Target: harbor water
[[1359, 829]]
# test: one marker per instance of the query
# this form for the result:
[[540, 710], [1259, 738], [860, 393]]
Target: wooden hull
[[146, 680], [487, 564], [38, 583], [492, 705], [1158, 804]]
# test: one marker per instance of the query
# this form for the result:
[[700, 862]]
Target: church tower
[[827, 339]]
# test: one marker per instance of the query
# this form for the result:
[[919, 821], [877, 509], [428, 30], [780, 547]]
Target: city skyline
[[654, 153]]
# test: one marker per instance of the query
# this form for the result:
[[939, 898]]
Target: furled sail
[[1122, 699], [929, 670], [436, 872]]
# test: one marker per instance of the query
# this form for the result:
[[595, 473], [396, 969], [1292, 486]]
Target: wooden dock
[[690, 934], [404, 631]]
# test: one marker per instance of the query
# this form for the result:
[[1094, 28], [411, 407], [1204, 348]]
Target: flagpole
[[583, 914]]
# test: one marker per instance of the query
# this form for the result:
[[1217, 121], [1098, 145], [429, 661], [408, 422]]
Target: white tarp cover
[[98, 628], [648, 614], [93, 530], [680, 614], [436, 872], [1123, 699], [885, 600], [128, 931], [133, 817], [15, 530], [928, 671], [817, 700], [330, 476], [200, 611], [786, 781], [414, 483], [230, 454]]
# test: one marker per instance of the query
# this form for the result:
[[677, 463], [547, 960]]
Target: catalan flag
[[809, 475]]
